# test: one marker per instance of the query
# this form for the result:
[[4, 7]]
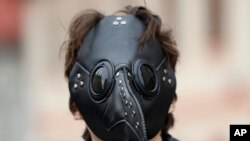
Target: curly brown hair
[[85, 20]]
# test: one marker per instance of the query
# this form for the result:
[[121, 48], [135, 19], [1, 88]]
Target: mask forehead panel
[[117, 41]]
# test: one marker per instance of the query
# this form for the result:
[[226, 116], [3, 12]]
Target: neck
[[93, 136]]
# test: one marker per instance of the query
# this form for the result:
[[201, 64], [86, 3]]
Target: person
[[121, 75]]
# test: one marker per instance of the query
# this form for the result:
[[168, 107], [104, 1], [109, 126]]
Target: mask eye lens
[[147, 78], [100, 80]]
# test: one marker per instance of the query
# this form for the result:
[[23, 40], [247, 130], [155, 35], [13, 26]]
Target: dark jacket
[[167, 137]]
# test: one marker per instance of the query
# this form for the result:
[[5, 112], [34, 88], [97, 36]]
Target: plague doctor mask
[[122, 91]]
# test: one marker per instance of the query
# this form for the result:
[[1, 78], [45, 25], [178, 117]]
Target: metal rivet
[[120, 82], [129, 74], [81, 83], [118, 18], [133, 113], [117, 74], [165, 71], [115, 22], [75, 86], [122, 91], [130, 103], [125, 113], [164, 79], [126, 102], [123, 95], [123, 22], [122, 88], [137, 123], [78, 76], [169, 80]]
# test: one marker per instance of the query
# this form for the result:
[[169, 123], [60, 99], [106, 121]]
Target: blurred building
[[212, 73]]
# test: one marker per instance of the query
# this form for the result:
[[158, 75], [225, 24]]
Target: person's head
[[151, 64]]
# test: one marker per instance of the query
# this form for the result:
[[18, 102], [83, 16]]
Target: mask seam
[[82, 67], [162, 62], [139, 108]]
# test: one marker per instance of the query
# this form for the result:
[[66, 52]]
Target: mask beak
[[123, 111]]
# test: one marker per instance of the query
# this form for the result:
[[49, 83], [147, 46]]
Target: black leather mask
[[123, 93]]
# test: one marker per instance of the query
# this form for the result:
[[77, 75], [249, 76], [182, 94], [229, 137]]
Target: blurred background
[[212, 72]]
